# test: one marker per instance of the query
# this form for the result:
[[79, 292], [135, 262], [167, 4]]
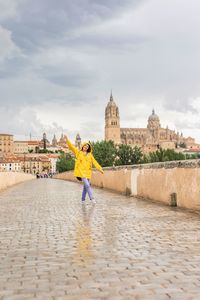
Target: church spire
[[111, 96]]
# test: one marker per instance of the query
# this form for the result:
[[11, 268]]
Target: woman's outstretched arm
[[97, 165], [72, 147]]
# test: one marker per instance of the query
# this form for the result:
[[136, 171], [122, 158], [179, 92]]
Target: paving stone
[[53, 247]]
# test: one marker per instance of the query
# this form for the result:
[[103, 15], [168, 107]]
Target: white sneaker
[[93, 201]]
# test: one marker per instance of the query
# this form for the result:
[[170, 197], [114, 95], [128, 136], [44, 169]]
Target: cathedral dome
[[154, 117]]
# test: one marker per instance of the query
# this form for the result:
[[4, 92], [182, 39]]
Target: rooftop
[[5, 134]]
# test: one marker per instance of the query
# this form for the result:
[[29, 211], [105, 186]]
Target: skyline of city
[[72, 135]]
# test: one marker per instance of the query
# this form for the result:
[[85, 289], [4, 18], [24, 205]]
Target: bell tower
[[112, 122]]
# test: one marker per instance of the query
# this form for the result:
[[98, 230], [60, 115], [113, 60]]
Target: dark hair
[[89, 147]]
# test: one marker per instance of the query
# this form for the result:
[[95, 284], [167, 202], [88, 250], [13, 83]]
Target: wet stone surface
[[53, 247]]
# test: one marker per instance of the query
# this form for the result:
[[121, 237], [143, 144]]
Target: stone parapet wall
[[155, 181], [11, 178]]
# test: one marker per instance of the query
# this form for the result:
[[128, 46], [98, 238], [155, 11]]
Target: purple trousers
[[86, 189]]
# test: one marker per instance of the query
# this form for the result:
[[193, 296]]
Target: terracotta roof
[[5, 134], [53, 155], [33, 143], [192, 150], [9, 160]]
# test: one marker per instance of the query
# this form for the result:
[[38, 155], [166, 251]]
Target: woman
[[83, 167]]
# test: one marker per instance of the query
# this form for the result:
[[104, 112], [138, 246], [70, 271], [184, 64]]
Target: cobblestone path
[[52, 247]]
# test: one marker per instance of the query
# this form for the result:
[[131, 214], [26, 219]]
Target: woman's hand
[[102, 172]]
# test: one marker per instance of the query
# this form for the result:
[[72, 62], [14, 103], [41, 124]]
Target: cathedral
[[149, 139]]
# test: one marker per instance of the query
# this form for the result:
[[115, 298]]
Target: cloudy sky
[[59, 61]]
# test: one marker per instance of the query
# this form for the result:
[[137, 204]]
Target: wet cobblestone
[[53, 247]]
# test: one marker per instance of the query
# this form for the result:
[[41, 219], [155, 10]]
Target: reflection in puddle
[[83, 233]]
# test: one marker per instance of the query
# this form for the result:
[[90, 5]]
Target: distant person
[[83, 167]]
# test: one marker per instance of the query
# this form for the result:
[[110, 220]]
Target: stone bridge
[[52, 247]]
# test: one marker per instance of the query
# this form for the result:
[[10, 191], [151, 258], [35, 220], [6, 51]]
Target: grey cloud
[[14, 66], [180, 104], [107, 40], [8, 8], [21, 121], [40, 22], [142, 54], [90, 129], [186, 124], [72, 74]]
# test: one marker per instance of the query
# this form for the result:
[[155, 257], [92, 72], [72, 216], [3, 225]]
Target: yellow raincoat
[[84, 162]]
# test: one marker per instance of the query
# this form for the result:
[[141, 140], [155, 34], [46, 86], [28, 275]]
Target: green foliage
[[104, 152], [126, 155], [65, 163], [192, 156], [164, 155], [44, 151], [137, 155], [123, 155], [108, 154]]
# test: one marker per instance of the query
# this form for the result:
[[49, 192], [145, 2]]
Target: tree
[[104, 152], [165, 155], [65, 163], [137, 155], [126, 155]]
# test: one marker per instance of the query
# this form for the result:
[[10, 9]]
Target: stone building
[[149, 139], [63, 141], [54, 141], [78, 141], [20, 147], [34, 146], [10, 164], [6, 144], [35, 163]]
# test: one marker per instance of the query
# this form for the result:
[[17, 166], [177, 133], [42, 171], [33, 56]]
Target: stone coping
[[192, 163]]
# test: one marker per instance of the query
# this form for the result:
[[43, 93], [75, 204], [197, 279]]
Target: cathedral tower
[[78, 141], [112, 122], [154, 126], [54, 141]]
